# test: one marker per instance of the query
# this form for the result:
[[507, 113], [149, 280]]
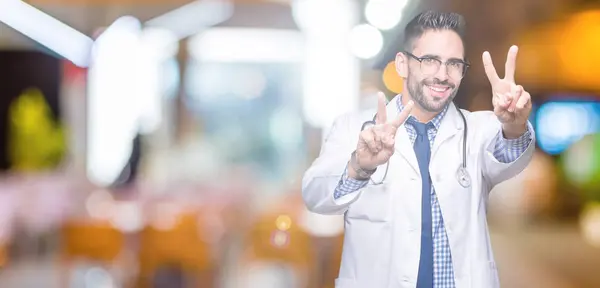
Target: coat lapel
[[403, 145], [450, 126]]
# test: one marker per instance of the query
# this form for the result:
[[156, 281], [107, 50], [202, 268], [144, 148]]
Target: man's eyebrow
[[432, 56], [457, 60]]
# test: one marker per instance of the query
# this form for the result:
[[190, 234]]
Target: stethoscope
[[462, 175]]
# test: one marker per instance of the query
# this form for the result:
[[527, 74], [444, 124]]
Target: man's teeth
[[438, 89]]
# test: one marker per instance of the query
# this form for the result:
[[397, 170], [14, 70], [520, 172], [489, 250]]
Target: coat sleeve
[[495, 171], [325, 174]]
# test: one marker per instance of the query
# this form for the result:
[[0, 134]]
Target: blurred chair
[[179, 247], [93, 241], [276, 240]]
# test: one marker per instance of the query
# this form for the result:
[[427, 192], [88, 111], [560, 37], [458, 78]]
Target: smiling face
[[433, 88]]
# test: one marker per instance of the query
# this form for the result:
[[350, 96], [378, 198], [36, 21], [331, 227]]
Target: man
[[413, 216]]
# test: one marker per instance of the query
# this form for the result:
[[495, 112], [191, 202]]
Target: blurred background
[[155, 143]]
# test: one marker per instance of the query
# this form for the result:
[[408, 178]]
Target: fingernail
[[411, 102]]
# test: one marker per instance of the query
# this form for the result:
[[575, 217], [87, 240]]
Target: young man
[[414, 186]]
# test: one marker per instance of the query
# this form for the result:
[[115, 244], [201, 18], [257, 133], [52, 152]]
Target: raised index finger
[[381, 109], [489, 68], [511, 64]]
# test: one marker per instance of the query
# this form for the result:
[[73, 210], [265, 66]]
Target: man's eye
[[455, 64]]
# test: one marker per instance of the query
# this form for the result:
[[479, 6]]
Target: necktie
[[423, 153]]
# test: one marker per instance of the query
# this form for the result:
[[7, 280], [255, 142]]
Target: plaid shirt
[[506, 151]]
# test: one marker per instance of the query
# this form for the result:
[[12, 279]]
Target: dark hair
[[432, 20]]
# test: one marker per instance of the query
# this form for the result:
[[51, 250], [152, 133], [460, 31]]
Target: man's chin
[[434, 109], [436, 106]]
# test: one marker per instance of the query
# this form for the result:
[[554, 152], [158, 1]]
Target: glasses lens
[[430, 66], [456, 70]]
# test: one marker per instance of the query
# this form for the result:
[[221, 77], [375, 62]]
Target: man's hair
[[432, 20]]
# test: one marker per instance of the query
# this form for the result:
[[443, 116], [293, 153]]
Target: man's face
[[430, 87]]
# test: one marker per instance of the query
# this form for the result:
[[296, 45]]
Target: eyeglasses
[[455, 68]]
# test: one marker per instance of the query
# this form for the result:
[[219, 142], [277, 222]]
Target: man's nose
[[442, 73]]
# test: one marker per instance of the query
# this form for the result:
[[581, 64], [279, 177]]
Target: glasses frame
[[420, 59]]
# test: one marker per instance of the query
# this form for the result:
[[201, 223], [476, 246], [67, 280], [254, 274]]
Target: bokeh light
[[391, 79], [283, 222], [581, 164], [384, 14], [365, 41], [590, 224]]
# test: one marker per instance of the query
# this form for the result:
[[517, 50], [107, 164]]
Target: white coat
[[383, 222]]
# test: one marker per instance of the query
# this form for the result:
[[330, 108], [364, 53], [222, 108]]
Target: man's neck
[[418, 112]]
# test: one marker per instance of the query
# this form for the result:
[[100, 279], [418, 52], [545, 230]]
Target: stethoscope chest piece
[[463, 177]]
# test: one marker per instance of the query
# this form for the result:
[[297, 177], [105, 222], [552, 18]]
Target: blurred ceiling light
[[331, 73], [114, 99], [384, 14], [162, 43], [321, 15], [123, 23], [247, 45], [365, 41], [192, 18], [46, 30]]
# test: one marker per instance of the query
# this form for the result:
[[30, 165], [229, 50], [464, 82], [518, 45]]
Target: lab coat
[[383, 222]]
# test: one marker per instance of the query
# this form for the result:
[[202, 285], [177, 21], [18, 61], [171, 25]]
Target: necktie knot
[[420, 128]]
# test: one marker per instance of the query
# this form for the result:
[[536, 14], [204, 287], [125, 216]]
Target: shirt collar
[[436, 121]]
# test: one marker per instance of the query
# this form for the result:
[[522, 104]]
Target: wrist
[[513, 131], [357, 172]]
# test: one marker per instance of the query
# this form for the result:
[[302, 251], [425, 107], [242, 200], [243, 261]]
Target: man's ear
[[401, 65]]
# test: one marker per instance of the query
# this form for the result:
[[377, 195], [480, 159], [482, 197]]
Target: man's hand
[[512, 104], [376, 143]]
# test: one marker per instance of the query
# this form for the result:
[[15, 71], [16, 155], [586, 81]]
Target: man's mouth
[[438, 88]]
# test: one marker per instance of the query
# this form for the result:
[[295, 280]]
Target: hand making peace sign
[[376, 143], [512, 104]]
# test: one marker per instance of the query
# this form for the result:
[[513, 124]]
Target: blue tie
[[423, 153]]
